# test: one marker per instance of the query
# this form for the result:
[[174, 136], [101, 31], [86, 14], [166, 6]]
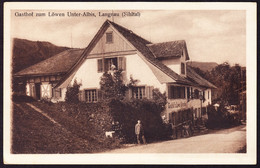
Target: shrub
[[72, 94], [221, 118], [112, 86], [128, 112], [21, 98]]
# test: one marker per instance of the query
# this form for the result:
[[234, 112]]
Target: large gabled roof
[[138, 42], [68, 61], [142, 46], [57, 64]]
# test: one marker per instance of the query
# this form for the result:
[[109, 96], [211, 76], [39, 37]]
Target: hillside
[[204, 66], [27, 53]]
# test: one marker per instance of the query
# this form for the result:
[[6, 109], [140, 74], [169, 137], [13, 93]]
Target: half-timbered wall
[[46, 87]]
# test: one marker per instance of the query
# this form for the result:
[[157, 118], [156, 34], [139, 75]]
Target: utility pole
[[112, 16]]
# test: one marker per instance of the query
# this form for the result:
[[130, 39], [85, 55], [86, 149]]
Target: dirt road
[[223, 141]]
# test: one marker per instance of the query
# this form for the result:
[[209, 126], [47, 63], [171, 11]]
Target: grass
[[34, 133]]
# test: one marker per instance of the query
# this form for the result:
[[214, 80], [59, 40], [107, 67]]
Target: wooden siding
[[117, 45]]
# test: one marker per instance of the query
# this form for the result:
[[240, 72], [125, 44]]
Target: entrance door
[[38, 90]]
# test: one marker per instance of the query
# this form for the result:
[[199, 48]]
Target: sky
[[211, 35]]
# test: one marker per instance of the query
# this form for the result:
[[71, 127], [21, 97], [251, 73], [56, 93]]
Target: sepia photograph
[[112, 83]]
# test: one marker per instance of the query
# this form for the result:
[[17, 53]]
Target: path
[[44, 114], [223, 141]]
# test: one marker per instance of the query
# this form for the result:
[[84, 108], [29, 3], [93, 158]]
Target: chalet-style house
[[155, 65]]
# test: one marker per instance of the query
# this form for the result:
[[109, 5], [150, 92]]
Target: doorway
[[38, 90]]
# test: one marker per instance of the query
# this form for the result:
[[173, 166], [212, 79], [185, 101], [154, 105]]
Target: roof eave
[[38, 74]]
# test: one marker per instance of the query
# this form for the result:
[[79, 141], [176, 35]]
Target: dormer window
[[182, 68], [109, 37]]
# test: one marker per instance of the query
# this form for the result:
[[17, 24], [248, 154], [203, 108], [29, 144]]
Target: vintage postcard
[[129, 83]]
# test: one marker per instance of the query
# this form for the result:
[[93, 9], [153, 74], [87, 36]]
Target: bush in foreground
[[126, 113], [221, 118]]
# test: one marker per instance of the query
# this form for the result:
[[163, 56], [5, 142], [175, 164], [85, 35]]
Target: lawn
[[34, 133]]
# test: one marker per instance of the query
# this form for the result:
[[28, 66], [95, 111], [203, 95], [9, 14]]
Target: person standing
[[139, 131]]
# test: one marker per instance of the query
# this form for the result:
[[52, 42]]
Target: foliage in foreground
[[221, 118], [72, 94], [85, 122], [125, 112]]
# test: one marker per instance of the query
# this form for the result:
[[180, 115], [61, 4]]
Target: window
[[109, 37], [176, 92], [208, 94], [56, 93], [91, 95], [182, 68], [111, 63], [196, 94], [188, 93], [138, 92]]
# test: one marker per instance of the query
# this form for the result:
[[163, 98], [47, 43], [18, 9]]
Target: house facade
[[43, 76], [154, 65]]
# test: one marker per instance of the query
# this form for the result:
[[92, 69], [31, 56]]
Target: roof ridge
[[165, 42], [130, 31]]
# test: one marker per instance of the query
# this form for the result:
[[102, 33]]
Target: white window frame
[[92, 95], [140, 94]]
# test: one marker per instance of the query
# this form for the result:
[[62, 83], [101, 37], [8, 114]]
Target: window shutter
[[169, 92], [149, 92], [80, 95], [122, 63], [60, 93], [83, 95], [191, 93], [99, 94], [127, 94], [100, 65]]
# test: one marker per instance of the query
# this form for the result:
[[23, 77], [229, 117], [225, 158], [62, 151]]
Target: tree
[[72, 94], [112, 85], [107, 86], [160, 99], [227, 79], [126, 112], [119, 86]]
